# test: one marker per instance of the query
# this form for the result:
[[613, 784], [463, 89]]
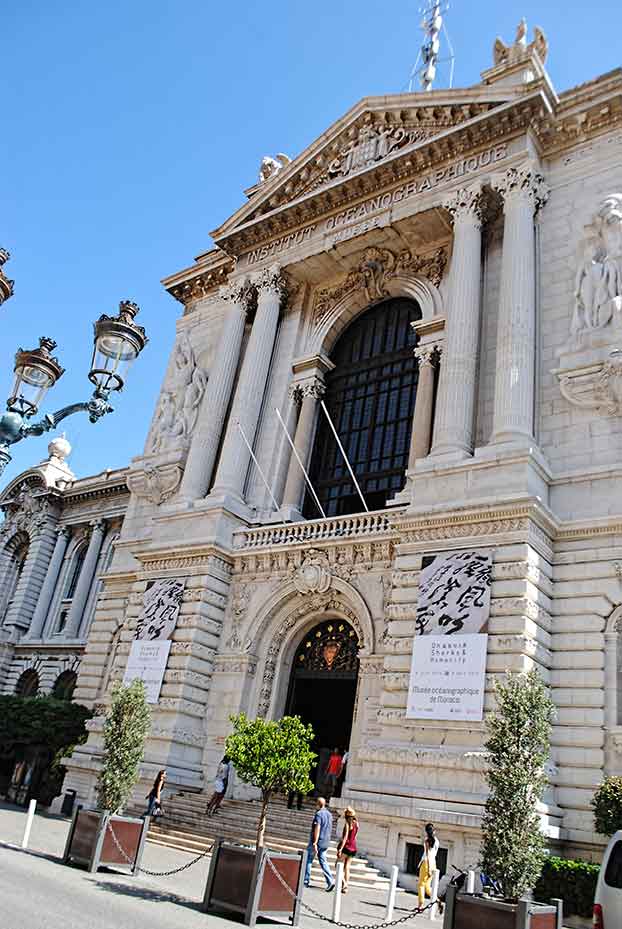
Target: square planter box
[[463, 911], [240, 881], [90, 841]]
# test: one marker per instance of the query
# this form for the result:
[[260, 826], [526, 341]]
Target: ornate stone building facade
[[55, 543], [442, 272]]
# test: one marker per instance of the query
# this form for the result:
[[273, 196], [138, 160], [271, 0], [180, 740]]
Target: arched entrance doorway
[[322, 687]]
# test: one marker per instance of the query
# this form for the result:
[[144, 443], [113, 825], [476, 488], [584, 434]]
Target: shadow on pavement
[[144, 893], [55, 859]]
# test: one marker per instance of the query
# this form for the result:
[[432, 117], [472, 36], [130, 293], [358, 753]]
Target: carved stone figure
[[270, 166], [179, 405], [508, 54], [598, 284], [366, 146], [155, 483]]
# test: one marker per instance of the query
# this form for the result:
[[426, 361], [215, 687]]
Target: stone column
[[25, 598], [421, 437], [308, 394], [524, 192], [455, 414], [205, 441], [83, 587], [235, 457], [49, 585]]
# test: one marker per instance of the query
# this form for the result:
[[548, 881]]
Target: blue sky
[[130, 129]]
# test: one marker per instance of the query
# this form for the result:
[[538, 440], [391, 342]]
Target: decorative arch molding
[[326, 330], [33, 480], [288, 614], [614, 622]]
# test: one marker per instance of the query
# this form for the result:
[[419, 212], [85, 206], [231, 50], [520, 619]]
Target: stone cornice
[[498, 124], [181, 557], [210, 272]]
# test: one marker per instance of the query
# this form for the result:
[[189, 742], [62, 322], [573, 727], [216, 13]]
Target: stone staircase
[[186, 827]]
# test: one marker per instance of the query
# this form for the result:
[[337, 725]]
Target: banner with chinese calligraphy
[[447, 677], [454, 593], [154, 629]]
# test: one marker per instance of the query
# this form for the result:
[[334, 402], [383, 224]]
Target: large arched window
[[16, 552], [370, 396], [74, 571], [28, 684], [64, 685]]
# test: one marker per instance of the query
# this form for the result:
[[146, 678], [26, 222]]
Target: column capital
[[524, 183], [311, 387], [466, 205], [64, 532], [270, 280], [236, 291], [428, 354], [98, 525]]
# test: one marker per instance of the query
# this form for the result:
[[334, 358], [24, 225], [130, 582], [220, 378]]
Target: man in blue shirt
[[321, 830]]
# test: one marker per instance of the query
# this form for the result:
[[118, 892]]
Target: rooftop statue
[[507, 54], [270, 166]]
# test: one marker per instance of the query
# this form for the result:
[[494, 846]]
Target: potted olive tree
[[274, 757], [92, 835], [513, 846]]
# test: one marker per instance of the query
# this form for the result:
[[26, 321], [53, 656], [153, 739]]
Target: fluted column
[[235, 457], [309, 393], [24, 602], [49, 584], [524, 192], [421, 437], [206, 439], [83, 587], [455, 414]]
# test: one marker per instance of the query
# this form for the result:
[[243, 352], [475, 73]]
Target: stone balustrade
[[360, 525]]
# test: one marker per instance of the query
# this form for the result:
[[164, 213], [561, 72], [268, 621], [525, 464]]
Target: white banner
[[161, 605], [147, 662], [447, 677], [454, 593]]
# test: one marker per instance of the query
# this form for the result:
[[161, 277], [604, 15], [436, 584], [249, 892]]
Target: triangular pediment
[[372, 132]]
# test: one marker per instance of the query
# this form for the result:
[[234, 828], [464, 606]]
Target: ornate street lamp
[[6, 284], [117, 343]]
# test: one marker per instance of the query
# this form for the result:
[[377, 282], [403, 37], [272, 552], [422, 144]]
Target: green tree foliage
[[518, 747], [607, 806], [125, 730], [273, 756], [43, 722]]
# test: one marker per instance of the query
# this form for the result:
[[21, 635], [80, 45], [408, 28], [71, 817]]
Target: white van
[[608, 897]]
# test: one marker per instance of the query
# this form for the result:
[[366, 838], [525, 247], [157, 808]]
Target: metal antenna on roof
[[425, 67]]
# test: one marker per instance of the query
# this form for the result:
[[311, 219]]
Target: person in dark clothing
[[154, 798]]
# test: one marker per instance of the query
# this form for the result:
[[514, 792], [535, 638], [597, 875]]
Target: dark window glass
[[74, 576], [64, 685], [613, 873], [414, 853], [370, 396], [28, 684]]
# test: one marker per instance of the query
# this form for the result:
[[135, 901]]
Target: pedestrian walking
[[333, 772], [321, 829], [346, 850], [221, 782], [154, 797], [427, 865]]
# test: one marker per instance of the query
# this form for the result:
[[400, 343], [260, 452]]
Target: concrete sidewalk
[[39, 892]]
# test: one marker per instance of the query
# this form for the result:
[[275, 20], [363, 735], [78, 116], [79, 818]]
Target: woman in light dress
[[427, 865]]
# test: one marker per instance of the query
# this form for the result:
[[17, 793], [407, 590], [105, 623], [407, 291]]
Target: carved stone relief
[[375, 269], [179, 405], [26, 512], [313, 575], [155, 483], [598, 283]]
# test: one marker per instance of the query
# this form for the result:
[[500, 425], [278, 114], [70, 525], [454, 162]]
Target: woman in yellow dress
[[427, 865]]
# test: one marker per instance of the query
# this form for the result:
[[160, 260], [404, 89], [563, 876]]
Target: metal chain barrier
[[184, 867], [327, 919]]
